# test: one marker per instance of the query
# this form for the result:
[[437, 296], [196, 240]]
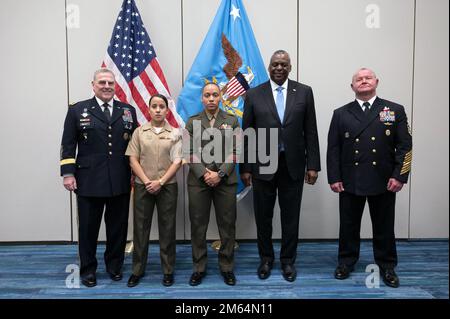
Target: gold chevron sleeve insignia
[[406, 163]]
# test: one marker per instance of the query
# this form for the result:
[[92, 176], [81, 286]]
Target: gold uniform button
[[356, 152], [374, 163], [356, 164], [374, 151], [357, 140], [110, 144], [109, 135], [373, 138], [109, 127], [110, 153]]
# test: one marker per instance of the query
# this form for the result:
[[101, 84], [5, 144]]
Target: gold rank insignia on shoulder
[[388, 132]]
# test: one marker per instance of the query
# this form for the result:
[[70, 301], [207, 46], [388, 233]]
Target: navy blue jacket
[[365, 151], [100, 166]]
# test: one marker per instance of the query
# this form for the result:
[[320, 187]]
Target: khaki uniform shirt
[[156, 151], [212, 117]]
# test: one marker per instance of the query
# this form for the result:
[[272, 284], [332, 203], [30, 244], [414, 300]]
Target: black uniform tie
[[366, 108], [107, 112]]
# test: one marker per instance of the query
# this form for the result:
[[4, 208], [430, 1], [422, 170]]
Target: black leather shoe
[[264, 270], [289, 272], [229, 278], [167, 280], [390, 278], [196, 278], [89, 280], [116, 276], [133, 280], [342, 272]]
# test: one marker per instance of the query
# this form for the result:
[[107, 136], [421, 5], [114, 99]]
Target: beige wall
[[34, 205], [328, 40], [429, 180]]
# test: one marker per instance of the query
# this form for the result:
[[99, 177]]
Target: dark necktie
[[366, 108], [107, 112]]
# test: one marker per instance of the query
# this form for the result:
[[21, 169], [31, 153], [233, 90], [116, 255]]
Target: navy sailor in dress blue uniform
[[368, 158], [99, 173]]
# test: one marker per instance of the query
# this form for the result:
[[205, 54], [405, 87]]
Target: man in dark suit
[[368, 158], [212, 179], [99, 173], [287, 107]]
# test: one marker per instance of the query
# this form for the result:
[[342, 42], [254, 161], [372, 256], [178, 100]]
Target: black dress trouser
[[382, 214], [90, 212], [289, 198]]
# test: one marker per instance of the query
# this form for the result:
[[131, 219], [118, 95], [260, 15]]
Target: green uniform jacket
[[225, 124]]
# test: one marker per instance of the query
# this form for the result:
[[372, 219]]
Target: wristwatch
[[221, 174], [161, 182]]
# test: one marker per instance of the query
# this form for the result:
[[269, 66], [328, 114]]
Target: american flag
[[132, 58], [237, 85]]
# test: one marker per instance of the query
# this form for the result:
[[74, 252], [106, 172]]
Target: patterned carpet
[[39, 272]]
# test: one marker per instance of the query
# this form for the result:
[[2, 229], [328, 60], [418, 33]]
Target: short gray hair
[[280, 51], [103, 70], [363, 69]]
